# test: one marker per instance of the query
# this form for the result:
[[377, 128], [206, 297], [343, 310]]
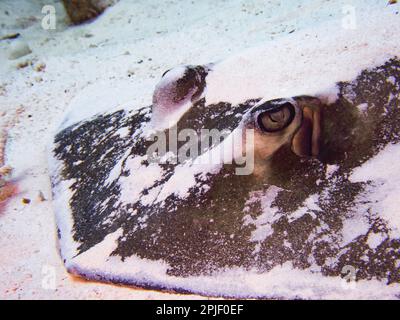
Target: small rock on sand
[[19, 49]]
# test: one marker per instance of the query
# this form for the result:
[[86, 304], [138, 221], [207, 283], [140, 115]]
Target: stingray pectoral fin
[[305, 142]]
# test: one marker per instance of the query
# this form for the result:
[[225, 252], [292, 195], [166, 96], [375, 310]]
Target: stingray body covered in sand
[[309, 204]]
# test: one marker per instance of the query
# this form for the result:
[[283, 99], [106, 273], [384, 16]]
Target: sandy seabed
[[117, 58]]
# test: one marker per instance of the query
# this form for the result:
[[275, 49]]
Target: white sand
[[119, 58]]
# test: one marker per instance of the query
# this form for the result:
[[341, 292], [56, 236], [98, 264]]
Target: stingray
[[205, 198]]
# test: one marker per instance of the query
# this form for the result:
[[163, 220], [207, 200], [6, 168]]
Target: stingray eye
[[276, 119]]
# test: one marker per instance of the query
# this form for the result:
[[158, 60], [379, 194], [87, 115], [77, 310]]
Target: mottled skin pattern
[[206, 232]]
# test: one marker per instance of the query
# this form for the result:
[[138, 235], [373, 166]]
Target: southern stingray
[[137, 203]]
